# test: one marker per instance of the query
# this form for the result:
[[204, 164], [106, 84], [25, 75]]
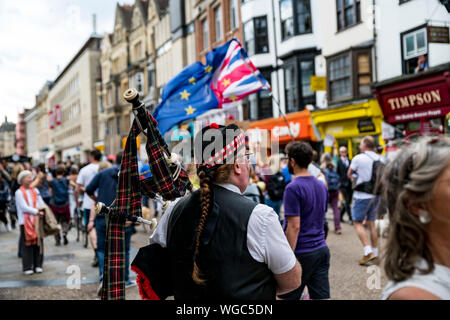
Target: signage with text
[[438, 34], [298, 124], [318, 83], [433, 113], [410, 100], [366, 125]]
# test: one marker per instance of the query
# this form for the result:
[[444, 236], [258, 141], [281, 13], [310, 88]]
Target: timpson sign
[[419, 99], [412, 100]]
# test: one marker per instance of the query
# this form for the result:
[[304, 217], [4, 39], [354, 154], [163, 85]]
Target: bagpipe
[[167, 182]]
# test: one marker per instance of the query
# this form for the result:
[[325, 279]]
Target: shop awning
[[299, 124]]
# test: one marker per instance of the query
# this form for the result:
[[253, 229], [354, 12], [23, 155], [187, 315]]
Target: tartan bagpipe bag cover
[[128, 201]]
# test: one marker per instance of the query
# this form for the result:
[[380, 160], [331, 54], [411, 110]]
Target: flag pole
[[282, 114]]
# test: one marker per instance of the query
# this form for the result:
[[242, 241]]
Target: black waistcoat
[[224, 260]]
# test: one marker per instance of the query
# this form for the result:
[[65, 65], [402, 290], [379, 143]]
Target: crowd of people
[[282, 223], [365, 188], [29, 192]]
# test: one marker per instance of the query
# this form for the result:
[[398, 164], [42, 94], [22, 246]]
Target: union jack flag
[[236, 77], [228, 76]]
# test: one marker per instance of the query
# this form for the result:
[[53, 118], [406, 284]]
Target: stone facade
[[74, 91], [7, 138]]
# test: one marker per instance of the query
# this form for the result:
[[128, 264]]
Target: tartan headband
[[225, 153]]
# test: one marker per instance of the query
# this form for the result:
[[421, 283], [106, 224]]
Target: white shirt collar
[[229, 186]]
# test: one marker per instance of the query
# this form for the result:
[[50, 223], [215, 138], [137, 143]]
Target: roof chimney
[[94, 23]]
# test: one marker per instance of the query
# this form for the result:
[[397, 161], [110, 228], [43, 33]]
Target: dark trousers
[[315, 267], [333, 199], [3, 210], [65, 226], [31, 256], [347, 193]]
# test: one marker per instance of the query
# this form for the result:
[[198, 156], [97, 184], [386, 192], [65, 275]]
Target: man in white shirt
[[85, 176], [365, 204]]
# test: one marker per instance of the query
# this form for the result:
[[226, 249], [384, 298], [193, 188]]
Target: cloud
[[39, 36]]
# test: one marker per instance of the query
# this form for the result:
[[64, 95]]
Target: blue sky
[[38, 36]]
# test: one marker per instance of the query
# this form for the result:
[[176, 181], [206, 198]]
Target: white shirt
[[436, 282], [22, 205], [345, 161], [313, 170], [266, 241], [362, 164], [84, 178]]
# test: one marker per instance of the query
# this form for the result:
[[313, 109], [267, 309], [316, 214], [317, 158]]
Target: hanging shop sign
[[366, 125], [51, 119], [58, 115], [438, 34], [318, 83]]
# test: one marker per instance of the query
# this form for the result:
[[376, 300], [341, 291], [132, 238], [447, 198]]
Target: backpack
[[276, 186], [332, 179], [374, 185], [60, 191]]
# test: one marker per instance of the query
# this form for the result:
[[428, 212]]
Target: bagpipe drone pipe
[[167, 182]]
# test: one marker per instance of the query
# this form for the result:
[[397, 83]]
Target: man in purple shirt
[[305, 204]]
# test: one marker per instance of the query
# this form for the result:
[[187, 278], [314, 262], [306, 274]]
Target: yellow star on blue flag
[[185, 95], [189, 110]]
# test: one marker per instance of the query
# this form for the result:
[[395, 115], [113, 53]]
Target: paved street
[[348, 280]]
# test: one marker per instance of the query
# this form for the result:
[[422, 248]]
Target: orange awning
[[300, 125]]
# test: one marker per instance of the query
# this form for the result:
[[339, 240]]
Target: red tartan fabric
[[128, 201]]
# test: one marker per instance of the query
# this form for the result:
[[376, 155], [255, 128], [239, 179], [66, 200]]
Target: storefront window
[[399, 131], [436, 124], [413, 126], [356, 141], [448, 126]]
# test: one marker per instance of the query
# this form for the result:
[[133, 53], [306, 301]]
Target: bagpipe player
[[215, 244]]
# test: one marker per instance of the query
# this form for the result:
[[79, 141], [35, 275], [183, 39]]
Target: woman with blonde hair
[[417, 188]]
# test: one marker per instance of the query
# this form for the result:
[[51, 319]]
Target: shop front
[[347, 125], [277, 133], [417, 105]]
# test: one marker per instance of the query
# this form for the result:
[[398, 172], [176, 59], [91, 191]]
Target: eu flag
[[227, 76], [189, 93]]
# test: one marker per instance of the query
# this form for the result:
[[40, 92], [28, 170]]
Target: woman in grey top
[[417, 188]]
